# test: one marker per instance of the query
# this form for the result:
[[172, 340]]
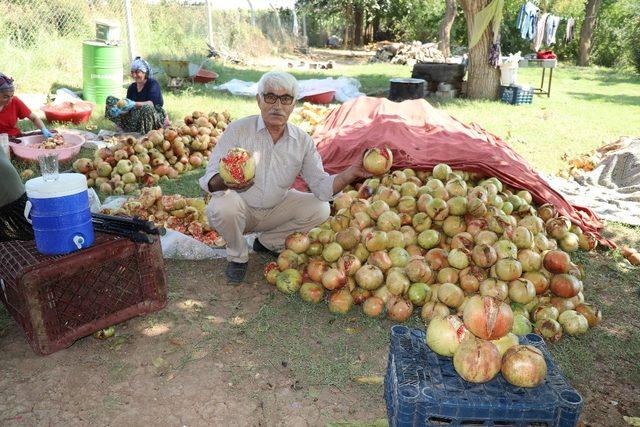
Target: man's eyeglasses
[[271, 98]]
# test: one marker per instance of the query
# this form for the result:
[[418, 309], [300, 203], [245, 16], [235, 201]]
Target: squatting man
[[266, 204]]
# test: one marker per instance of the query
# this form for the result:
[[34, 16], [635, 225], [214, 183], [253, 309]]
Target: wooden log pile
[[408, 53]]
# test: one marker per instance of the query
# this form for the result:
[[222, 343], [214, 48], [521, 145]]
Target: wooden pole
[[131, 40], [209, 23]]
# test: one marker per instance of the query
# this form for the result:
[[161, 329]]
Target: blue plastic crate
[[422, 388], [516, 95]]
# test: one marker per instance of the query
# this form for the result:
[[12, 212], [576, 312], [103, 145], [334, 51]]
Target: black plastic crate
[[423, 389], [516, 95]]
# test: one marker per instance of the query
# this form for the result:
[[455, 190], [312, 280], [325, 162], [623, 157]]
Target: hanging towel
[[537, 40], [492, 13], [527, 19], [551, 27], [571, 23]]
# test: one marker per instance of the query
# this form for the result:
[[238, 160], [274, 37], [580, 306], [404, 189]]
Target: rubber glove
[[46, 133], [114, 111], [130, 105]]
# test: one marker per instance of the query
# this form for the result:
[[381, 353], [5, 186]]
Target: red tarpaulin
[[421, 136]]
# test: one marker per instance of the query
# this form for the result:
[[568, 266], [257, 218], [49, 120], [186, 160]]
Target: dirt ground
[[197, 362], [339, 57]]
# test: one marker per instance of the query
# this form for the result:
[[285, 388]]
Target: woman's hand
[[130, 105]]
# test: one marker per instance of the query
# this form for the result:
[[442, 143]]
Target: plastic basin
[[28, 148], [320, 98], [76, 112], [205, 76]]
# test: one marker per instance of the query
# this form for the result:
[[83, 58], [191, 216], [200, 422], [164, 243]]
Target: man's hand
[[358, 171], [217, 184], [349, 175], [239, 187]]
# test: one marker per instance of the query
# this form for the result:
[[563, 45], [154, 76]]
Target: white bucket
[[508, 74]]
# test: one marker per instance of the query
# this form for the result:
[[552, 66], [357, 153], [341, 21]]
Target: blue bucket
[[59, 212]]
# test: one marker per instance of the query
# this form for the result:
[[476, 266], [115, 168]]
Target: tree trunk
[[590, 14], [348, 22], [375, 27], [483, 80], [368, 28], [358, 17], [445, 28]]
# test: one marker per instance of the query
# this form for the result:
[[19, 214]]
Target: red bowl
[[321, 98], [77, 112], [205, 76]]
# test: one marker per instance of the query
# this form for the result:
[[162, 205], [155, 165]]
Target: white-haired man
[[267, 205]]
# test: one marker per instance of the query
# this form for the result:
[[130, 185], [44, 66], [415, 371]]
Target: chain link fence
[[41, 40]]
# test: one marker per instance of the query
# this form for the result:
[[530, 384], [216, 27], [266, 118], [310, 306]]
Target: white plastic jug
[[508, 74]]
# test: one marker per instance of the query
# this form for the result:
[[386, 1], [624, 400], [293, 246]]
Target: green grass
[[588, 107]]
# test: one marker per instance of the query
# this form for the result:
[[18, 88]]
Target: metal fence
[[40, 40]]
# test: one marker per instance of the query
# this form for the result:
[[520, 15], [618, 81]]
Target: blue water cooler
[[59, 212]]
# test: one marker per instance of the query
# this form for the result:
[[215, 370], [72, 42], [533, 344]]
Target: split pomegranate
[[377, 161], [271, 272], [487, 317], [444, 334], [237, 167], [477, 361]]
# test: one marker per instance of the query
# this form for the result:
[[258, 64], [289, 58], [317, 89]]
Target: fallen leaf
[[236, 321], [199, 354], [353, 330], [160, 363], [632, 421], [176, 342], [370, 379]]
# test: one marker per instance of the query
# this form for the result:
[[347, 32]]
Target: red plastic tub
[[27, 148], [321, 98], [76, 112], [205, 76]]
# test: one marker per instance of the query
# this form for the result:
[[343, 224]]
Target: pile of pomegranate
[[159, 155], [448, 245], [309, 116], [184, 214]]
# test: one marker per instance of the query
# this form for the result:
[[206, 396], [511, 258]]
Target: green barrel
[[101, 71]]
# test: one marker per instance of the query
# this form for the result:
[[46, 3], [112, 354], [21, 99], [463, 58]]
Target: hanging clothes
[[551, 26], [539, 36], [492, 13], [527, 20], [571, 23], [495, 53]]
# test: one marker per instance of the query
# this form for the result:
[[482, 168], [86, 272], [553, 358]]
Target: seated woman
[[12, 109], [13, 198], [142, 110]]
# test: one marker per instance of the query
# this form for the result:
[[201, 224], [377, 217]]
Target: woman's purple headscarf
[[6, 83]]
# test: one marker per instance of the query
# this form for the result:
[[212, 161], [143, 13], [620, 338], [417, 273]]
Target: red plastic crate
[[59, 299]]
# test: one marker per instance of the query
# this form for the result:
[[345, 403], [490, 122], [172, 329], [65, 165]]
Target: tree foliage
[[615, 38]]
